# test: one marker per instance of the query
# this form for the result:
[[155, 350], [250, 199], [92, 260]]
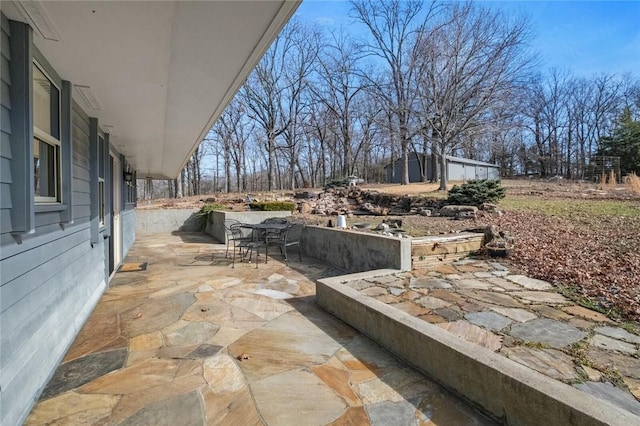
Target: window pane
[[45, 169], [100, 157], [41, 101], [101, 198]]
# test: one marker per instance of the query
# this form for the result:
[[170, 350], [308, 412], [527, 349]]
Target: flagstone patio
[[191, 341]]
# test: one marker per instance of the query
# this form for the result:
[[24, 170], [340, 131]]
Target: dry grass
[[633, 183], [608, 182], [612, 180]]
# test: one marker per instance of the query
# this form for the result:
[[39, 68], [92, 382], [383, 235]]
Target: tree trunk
[[271, 160], [179, 184], [170, 188], [443, 172]]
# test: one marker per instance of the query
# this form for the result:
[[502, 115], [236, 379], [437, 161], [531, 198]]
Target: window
[[102, 200], [133, 193], [102, 204], [131, 190], [46, 138]]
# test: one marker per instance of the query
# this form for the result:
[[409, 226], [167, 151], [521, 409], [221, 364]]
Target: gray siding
[[41, 324], [50, 279], [494, 173], [5, 129], [394, 175], [465, 169], [455, 171]]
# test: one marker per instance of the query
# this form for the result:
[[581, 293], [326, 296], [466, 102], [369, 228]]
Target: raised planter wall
[[432, 250], [215, 227], [356, 251], [187, 220], [508, 391]]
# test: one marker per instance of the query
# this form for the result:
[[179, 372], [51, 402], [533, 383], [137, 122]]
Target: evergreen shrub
[[272, 206], [476, 192], [204, 214]]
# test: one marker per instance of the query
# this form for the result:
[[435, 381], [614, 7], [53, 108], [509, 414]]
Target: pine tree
[[624, 142]]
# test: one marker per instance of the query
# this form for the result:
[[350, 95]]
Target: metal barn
[[458, 169]]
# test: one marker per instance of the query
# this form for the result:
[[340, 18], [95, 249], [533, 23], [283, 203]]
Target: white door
[[116, 204]]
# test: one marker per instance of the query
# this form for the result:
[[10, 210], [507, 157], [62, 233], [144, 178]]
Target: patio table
[[269, 229]]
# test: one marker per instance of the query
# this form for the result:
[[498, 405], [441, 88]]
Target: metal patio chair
[[269, 234], [231, 236], [244, 241], [288, 237], [250, 246]]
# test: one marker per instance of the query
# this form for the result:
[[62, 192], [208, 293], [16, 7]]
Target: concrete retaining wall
[[356, 251], [508, 391], [128, 218], [215, 227], [187, 220], [166, 221]]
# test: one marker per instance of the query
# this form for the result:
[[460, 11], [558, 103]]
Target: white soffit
[[161, 71]]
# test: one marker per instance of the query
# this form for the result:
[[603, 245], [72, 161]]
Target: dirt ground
[[415, 225], [555, 189]]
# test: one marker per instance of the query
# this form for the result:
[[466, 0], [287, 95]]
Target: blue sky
[[584, 37]]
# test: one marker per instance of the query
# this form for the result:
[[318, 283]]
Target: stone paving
[[191, 341], [522, 318]]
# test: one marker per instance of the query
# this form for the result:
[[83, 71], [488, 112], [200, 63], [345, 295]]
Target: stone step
[[431, 250]]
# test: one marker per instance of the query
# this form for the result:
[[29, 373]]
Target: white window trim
[[47, 138], [50, 140]]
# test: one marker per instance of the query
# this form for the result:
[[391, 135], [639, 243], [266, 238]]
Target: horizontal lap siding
[[81, 187], [50, 280], [48, 333]]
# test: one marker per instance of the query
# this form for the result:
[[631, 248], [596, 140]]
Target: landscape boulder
[[489, 207], [305, 208], [453, 210]]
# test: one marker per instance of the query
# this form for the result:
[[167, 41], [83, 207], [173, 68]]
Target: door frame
[[115, 242]]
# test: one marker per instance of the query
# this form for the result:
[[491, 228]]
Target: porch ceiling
[[163, 71]]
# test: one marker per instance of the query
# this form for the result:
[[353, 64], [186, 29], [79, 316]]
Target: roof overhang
[[156, 74]]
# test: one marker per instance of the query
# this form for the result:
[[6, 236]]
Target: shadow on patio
[[192, 341]]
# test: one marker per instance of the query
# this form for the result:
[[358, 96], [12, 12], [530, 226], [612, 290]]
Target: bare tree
[[368, 133], [607, 104], [273, 97], [393, 25], [178, 185], [263, 94], [231, 134], [471, 67], [320, 138], [339, 86], [580, 96], [302, 56]]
